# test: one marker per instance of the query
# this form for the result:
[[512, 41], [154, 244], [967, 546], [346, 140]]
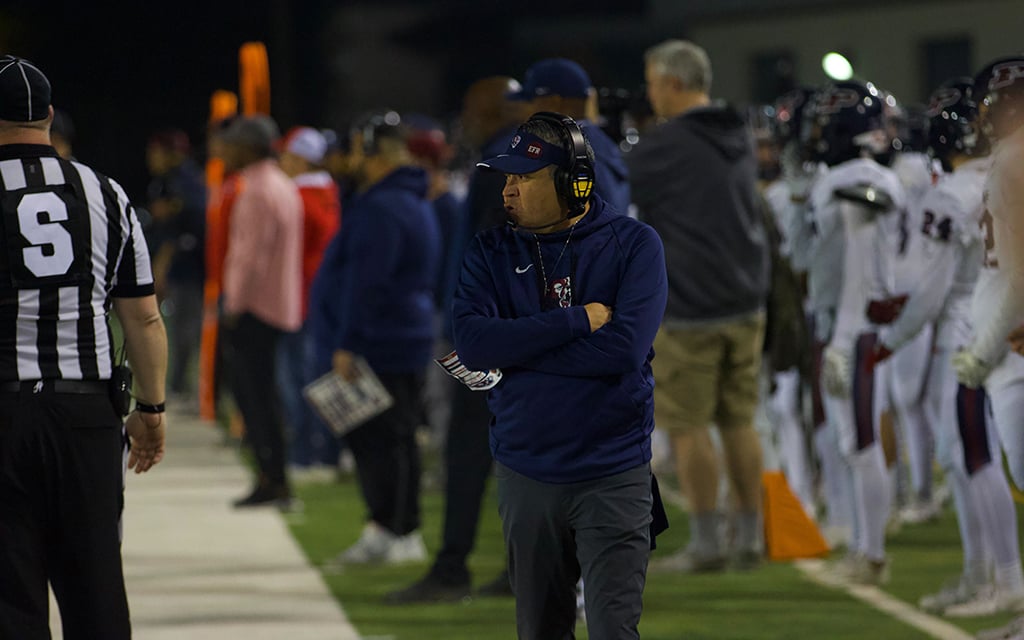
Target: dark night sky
[[124, 74], [124, 70]]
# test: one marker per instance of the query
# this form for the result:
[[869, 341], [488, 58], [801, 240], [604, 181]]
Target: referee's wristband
[[142, 407]]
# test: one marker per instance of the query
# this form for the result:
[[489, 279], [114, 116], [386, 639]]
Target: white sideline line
[[875, 597], [872, 596]]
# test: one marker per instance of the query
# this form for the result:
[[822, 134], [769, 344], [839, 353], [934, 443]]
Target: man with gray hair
[[694, 179], [261, 299]]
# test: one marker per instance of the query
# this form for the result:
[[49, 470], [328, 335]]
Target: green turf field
[[772, 602]]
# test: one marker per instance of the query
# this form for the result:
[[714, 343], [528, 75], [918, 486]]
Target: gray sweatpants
[[554, 533]]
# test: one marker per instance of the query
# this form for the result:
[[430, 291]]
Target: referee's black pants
[[61, 495], [250, 354]]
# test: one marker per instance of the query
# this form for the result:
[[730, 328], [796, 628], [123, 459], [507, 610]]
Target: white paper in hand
[[475, 380], [345, 405]]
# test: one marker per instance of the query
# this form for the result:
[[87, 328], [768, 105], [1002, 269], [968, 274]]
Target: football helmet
[[953, 122], [847, 121], [999, 93], [789, 111]]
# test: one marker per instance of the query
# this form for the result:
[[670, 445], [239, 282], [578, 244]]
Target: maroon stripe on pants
[[864, 390], [970, 413]]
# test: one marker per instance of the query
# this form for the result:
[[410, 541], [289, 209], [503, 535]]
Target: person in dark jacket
[[373, 297], [563, 86], [177, 201], [694, 180], [487, 121], [566, 301]]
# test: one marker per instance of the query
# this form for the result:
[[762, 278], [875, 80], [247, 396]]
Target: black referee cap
[[24, 91]]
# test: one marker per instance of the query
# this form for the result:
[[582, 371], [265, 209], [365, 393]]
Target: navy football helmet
[[846, 120], [953, 122], [999, 92], [789, 112]]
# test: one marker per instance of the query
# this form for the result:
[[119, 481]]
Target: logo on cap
[[533, 151], [516, 140]]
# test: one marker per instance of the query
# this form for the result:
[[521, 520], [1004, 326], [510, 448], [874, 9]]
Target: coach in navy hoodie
[[373, 296], [566, 301]]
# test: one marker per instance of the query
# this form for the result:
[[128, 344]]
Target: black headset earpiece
[[574, 182]]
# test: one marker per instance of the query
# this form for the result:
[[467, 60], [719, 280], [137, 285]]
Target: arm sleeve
[[484, 340], [327, 301], [800, 234], [992, 329], [623, 344], [134, 276], [248, 238], [1002, 200], [859, 274], [376, 245], [928, 298]]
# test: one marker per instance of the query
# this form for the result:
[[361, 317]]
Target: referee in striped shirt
[[71, 247]]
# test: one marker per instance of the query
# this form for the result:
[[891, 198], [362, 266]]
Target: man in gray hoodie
[[694, 179]]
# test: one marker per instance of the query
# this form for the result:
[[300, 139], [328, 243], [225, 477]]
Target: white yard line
[[874, 597], [935, 627]]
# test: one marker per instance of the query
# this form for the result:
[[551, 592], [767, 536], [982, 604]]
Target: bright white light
[[836, 66]]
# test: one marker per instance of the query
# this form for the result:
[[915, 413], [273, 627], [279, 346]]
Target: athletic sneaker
[[373, 546], [955, 592], [1012, 631], [840, 568], [869, 572], [686, 561], [919, 512], [854, 568], [431, 588], [407, 548], [987, 601]]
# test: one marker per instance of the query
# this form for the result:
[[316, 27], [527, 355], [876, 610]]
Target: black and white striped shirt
[[71, 243]]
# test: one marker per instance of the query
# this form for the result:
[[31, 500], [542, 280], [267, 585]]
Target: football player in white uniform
[[820, 259], [998, 303], [951, 248], [904, 377], [995, 310], [784, 406], [849, 204]]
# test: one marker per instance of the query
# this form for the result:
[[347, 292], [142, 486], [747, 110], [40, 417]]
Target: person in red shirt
[[301, 156]]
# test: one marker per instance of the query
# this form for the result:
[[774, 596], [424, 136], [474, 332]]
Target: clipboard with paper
[[347, 404]]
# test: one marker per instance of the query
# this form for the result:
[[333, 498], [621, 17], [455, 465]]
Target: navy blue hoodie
[[373, 294], [573, 405]]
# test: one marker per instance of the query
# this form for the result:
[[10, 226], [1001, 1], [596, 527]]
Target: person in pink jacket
[[262, 295]]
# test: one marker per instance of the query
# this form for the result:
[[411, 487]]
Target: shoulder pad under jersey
[[867, 195]]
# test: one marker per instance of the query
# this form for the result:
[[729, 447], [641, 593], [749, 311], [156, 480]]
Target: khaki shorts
[[708, 374]]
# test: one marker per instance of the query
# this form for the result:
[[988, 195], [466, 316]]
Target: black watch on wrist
[[142, 407]]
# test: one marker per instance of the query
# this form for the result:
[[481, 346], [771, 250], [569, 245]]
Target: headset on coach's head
[[575, 181]]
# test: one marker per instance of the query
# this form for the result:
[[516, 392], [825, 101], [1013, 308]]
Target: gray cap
[[256, 132]]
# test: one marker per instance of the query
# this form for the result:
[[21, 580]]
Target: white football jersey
[[850, 254], [996, 307], [915, 171], [945, 246]]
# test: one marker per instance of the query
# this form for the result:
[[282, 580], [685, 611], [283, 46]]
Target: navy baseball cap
[[526, 153], [24, 91], [554, 77]]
